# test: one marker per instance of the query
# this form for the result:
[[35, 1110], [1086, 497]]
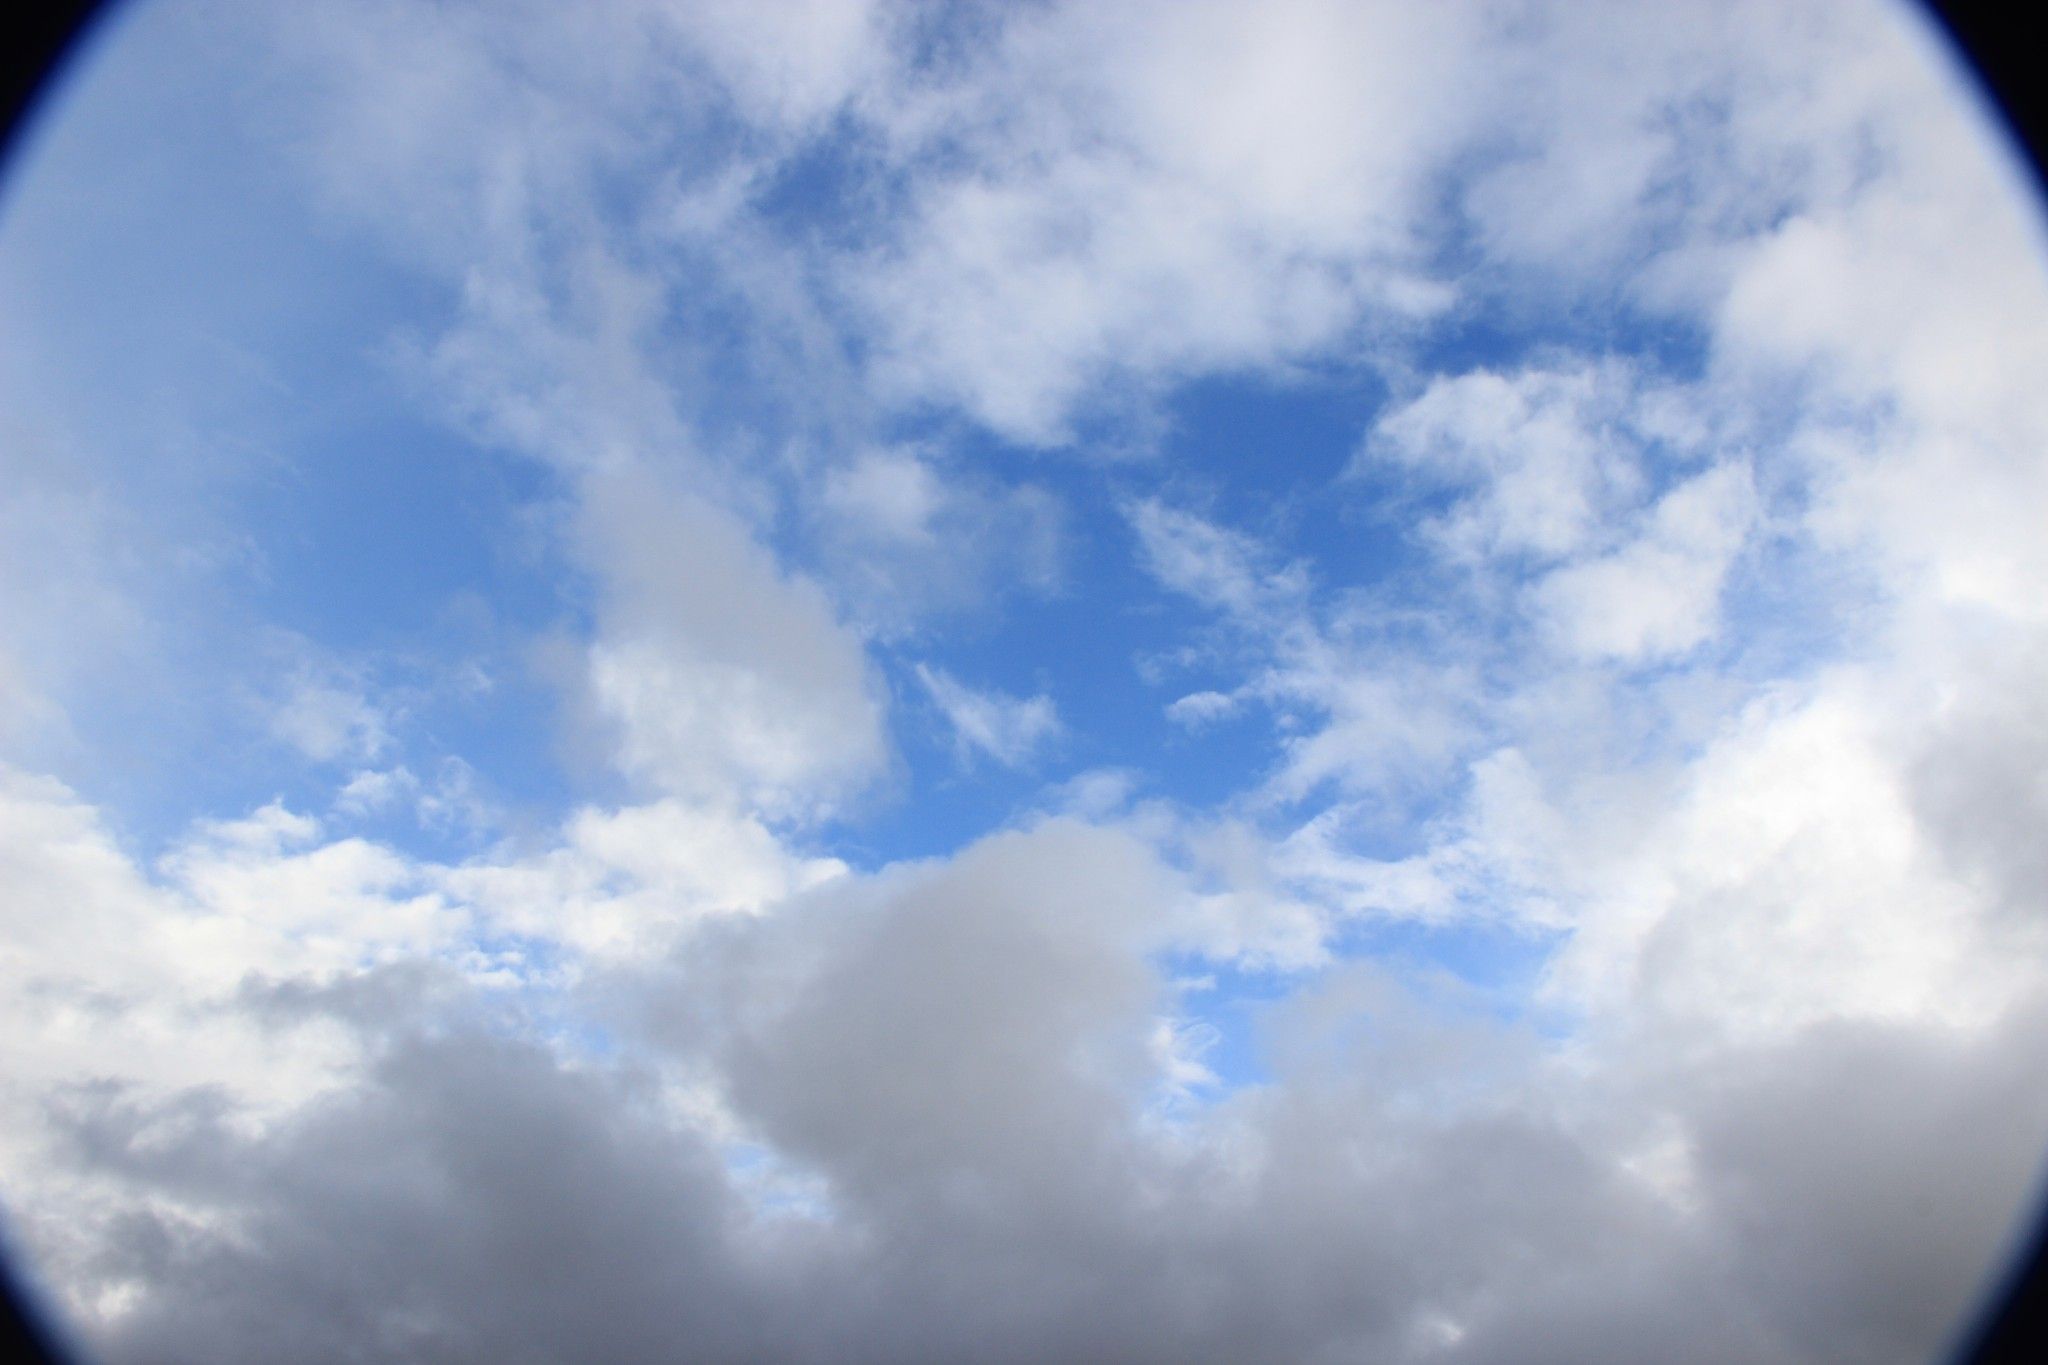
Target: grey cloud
[[1867, 1177], [719, 676], [971, 1030], [1978, 779], [473, 1200], [955, 1053]]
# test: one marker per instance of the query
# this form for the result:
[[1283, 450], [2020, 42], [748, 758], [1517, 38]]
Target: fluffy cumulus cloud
[[1313, 682], [715, 674]]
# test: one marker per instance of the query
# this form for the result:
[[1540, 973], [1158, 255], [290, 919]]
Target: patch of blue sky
[[776, 1186], [1094, 646], [1267, 450], [394, 545], [382, 529], [1276, 460], [1116, 649], [945, 797], [1495, 965], [226, 358], [832, 192], [1227, 1001], [939, 800], [1109, 654]]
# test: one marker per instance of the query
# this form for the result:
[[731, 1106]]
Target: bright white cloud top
[[1310, 681]]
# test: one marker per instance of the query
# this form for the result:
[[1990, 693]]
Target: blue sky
[[1319, 681]]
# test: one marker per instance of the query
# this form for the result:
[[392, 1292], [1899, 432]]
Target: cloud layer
[[1315, 682]]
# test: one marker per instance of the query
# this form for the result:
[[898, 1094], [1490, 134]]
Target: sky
[[860, 681]]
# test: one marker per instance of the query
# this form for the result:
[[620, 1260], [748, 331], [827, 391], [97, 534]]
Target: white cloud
[[371, 790], [1008, 729], [1921, 449], [621, 885], [1384, 728], [1659, 595], [329, 717], [116, 977], [1357, 714], [1094, 796], [1549, 456], [790, 66], [1177, 1048], [450, 802], [1112, 230], [1198, 709], [719, 677], [1218, 567], [906, 539], [889, 495]]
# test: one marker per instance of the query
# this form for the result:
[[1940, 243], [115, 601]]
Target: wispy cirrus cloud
[[991, 724]]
